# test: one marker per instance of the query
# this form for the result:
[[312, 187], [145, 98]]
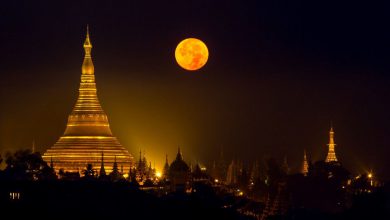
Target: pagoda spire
[[331, 157], [87, 67], [305, 165], [115, 166], [179, 156], [166, 168], [102, 170]]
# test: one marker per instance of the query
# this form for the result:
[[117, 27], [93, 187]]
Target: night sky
[[278, 74]]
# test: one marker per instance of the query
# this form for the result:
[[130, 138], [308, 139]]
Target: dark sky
[[277, 74]]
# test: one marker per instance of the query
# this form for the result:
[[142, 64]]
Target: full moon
[[191, 54]]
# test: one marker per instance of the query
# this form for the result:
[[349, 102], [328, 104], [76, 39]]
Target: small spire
[[102, 169], [33, 146], [179, 156], [115, 166], [305, 165]]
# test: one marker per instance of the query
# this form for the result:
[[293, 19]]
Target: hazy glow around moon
[[191, 54]]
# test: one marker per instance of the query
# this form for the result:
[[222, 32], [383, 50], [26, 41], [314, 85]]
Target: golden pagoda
[[88, 136], [331, 157]]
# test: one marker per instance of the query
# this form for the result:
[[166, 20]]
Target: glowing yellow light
[[240, 193], [191, 54], [216, 180], [370, 175], [158, 174]]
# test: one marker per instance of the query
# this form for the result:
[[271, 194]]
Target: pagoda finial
[[87, 67], [87, 42]]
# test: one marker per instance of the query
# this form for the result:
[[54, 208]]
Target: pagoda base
[[73, 153]]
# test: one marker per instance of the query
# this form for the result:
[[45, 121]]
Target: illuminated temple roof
[[88, 135]]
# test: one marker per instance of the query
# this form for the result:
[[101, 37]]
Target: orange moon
[[191, 54]]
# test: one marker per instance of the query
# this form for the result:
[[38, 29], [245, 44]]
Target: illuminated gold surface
[[331, 152], [305, 167], [191, 54], [88, 134]]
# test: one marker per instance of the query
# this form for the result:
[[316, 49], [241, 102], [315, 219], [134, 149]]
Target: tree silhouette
[[25, 165], [89, 172]]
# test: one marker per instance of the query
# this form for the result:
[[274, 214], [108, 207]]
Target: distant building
[[285, 167], [255, 172], [231, 177], [179, 174], [165, 174], [115, 175], [142, 169], [221, 168], [198, 175]]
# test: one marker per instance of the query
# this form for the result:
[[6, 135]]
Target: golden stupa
[[88, 137]]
